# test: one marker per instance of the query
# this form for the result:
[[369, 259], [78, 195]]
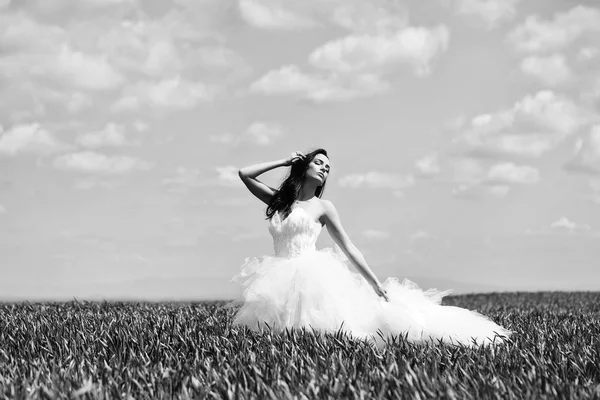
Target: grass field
[[188, 350]]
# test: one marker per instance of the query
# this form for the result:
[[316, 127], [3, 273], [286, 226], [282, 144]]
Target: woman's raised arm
[[260, 190], [337, 232]]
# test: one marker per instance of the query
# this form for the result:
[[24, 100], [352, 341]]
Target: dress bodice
[[295, 234]]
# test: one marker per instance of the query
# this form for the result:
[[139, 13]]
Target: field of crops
[[189, 350]]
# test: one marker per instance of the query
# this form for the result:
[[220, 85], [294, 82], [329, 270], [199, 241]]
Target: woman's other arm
[[337, 232]]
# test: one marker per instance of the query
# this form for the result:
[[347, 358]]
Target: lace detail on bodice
[[295, 235]]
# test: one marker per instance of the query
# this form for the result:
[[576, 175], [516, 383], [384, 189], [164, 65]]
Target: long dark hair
[[289, 190]]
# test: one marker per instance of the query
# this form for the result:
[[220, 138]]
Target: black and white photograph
[[299, 199]]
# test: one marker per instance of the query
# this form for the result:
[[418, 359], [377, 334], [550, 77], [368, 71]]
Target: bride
[[299, 286]]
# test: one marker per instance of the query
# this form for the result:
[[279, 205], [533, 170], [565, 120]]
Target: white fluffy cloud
[[492, 12], [261, 133], [539, 35], [228, 176], [370, 16], [534, 125], [40, 50], [566, 225], [355, 66], [473, 180], [82, 70], [551, 70], [29, 138], [76, 55], [171, 93], [183, 180], [587, 53], [510, 173], [112, 135], [377, 180], [415, 46], [289, 79], [186, 179], [269, 14], [561, 226], [365, 16], [94, 162], [587, 154], [428, 165], [375, 234]]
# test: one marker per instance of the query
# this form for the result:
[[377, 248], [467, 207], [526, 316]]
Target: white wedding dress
[[300, 286]]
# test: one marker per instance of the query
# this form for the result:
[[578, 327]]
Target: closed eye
[[319, 162]]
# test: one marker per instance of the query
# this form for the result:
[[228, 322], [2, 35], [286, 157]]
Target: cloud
[[539, 35], [2, 209], [415, 46], [377, 180], [93, 182], [186, 179], [94, 162], [595, 195], [550, 71], [223, 138], [29, 138], [267, 14], [533, 126], [467, 170], [140, 126], [76, 55], [41, 65], [499, 190], [107, 3], [374, 234], [112, 135], [261, 133], [218, 60], [354, 66], [228, 176], [428, 165], [83, 71], [565, 225], [365, 16], [420, 235], [587, 154], [289, 79], [60, 6], [172, 93], [473, 180], [561, 226], [587, 54], [38, 50], [511, 173], [369, 16], [492, 12]]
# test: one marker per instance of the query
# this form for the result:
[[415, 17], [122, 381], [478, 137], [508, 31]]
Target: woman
[[300, 286]]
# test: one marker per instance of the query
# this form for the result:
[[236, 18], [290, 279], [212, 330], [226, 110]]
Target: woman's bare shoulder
[[326, 208]]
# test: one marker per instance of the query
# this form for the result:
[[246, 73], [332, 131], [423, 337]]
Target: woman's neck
[[306, 193]]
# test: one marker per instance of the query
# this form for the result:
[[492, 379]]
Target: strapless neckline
[[305, 213]]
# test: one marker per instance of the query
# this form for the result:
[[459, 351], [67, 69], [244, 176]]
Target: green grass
[[189, 350]]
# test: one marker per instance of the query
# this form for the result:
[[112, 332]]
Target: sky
[[463, 135]]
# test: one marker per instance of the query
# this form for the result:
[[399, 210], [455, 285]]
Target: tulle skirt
[[318, 291]]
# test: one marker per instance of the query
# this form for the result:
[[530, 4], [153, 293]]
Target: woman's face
[[318, 168]]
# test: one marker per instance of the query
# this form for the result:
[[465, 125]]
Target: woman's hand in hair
[[294, 157]]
